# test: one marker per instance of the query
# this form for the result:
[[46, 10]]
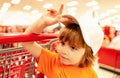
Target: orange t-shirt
[[50, 65]]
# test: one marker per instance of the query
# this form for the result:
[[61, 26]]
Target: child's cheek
[[58, 48]]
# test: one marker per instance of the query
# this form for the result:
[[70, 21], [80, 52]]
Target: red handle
[[18, 37]]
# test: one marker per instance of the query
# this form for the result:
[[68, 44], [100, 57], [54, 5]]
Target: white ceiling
[[11, 14]]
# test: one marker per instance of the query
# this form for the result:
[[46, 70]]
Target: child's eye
[[62, 43], [73, 47]]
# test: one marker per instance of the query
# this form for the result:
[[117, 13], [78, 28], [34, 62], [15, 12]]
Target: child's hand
[[52, 16]]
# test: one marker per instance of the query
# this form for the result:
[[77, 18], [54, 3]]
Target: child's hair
[[73, 35]]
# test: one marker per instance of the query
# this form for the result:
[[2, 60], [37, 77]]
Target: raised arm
[[50, 18]]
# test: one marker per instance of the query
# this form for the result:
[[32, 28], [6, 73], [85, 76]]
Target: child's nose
[[64, 50]]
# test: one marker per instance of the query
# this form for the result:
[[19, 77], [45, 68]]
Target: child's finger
[[52, 11], [61, 9]]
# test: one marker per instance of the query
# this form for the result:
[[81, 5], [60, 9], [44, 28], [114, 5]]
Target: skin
[[67, 55], [51, 17]]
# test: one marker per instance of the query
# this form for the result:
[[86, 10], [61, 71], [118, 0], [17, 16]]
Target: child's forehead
[[73, 38], [74, 43]]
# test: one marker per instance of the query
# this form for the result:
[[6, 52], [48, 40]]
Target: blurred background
[[17, 15]]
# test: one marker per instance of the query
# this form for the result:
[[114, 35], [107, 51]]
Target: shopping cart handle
[[18, 37]]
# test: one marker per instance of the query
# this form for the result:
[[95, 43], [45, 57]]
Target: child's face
[[70, 55]]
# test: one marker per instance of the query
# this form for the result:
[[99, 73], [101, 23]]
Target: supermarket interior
[[17, 15]]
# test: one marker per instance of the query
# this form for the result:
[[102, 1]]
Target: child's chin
[[64, 62]]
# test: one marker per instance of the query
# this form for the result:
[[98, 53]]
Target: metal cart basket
[[15, 61]]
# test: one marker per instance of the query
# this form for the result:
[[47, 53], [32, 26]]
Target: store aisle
[[102, 73], [105, 74]]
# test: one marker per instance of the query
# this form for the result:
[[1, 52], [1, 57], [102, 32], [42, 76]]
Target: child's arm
[[50, 18]]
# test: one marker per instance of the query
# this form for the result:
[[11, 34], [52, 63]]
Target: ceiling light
[[19, 12], [6, 4], [96, 7], [117, 6], [35, 12], [72, 9], [5, 7], [27, 7], [72, 3], [111, 11], [48, 5], [15, 1], [92, 3]]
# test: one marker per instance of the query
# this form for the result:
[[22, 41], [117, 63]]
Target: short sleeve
[[47, 60]]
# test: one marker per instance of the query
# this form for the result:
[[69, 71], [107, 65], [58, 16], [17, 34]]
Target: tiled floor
[[102, 73]]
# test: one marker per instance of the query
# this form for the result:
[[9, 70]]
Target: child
[[75, 50]]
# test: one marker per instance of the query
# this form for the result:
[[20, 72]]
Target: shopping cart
[[15, 61]]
